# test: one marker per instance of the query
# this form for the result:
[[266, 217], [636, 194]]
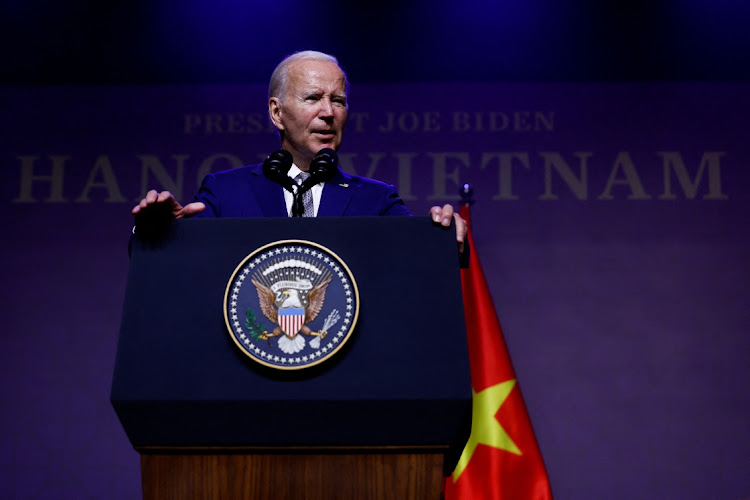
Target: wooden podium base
[[311, 476]]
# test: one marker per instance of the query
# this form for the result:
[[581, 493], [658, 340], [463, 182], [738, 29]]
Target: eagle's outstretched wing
[[315, 299], [266, 299]]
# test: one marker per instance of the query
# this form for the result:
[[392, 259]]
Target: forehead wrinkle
[[312, 81]]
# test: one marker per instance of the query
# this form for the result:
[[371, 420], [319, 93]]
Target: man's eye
[[311, 98]]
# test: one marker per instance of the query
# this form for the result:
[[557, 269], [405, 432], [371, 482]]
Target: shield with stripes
[[291, 319]]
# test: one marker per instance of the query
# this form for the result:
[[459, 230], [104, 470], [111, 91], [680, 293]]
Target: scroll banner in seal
[[291, 304]]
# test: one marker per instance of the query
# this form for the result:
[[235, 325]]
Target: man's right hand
[[157, 204]]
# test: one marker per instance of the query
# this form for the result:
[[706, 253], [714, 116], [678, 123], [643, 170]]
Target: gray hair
[[280, 77]]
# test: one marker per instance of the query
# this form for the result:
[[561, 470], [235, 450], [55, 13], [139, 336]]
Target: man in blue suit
[[308, 106]]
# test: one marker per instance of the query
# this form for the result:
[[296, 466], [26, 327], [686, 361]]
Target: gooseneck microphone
[[276, 166], [323, 166]]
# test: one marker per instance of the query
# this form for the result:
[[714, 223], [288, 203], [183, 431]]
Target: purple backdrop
[[611, 221]]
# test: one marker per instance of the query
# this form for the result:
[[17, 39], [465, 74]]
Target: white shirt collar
[[317, 191], [294, 171]]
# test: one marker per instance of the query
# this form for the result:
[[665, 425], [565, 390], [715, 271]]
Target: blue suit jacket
[[246, 192]]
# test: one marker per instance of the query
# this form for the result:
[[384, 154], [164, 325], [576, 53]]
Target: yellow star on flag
[[485, 428]]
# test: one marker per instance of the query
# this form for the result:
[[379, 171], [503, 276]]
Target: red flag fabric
[[501, 459]]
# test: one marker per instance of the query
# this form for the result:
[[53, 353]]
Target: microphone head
[[324, 165], [277, 164]]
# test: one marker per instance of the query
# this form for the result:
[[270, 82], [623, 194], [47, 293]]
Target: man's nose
[[326, 108]]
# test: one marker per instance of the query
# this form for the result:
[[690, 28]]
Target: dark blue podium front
[[402, 380]]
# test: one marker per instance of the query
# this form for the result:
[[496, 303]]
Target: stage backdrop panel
[[611, 220]]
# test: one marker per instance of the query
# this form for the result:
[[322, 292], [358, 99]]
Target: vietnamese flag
[[501, 459]]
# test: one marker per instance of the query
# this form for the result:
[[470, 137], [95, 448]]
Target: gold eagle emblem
[[307, 303]]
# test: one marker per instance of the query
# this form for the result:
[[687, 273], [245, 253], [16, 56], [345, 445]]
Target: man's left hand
[[443, 215]]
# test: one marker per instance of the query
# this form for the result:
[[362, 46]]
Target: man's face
[[313, 114]]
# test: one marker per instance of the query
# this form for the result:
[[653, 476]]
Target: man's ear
[[274, 111]]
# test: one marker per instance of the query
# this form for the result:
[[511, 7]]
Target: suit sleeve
[[393, 204], [208, 195]]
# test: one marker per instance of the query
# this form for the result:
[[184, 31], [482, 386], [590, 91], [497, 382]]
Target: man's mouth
[[325, 133]]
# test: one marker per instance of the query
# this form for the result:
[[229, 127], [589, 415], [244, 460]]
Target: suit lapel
[[268, 194], [337, 193]]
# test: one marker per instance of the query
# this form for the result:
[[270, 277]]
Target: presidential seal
[[291, 304]]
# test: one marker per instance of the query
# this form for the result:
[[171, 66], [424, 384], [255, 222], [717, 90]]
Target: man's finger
[[141, 205], [460, 228], [191, 209], [436, 213], [447, 213], [151, 196], [164, 196]]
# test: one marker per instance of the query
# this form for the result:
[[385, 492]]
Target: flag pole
[[467, 195]]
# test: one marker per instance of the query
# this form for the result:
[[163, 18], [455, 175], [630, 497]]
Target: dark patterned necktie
[[307, 196]]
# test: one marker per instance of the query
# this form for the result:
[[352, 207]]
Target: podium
[[376, 420]]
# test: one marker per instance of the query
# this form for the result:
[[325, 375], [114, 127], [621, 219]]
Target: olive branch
[[253, 325]]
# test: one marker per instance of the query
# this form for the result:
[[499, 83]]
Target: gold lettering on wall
[[441, 175], [630, 178], [384, 122], [578, 184], [102, 176], [151, 164], [505, 163], [710, 162], [30, 177], [511, 175]]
